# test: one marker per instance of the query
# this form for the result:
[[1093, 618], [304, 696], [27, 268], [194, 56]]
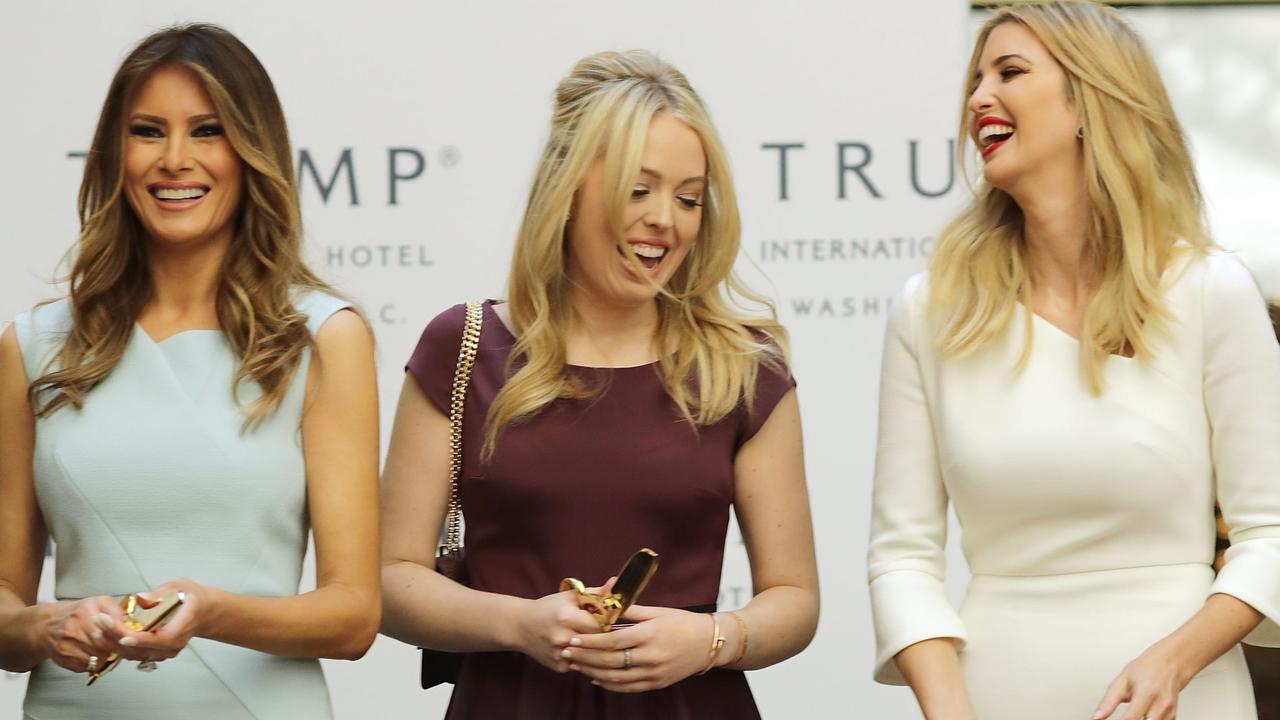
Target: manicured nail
[[96, 635], [573, 667], [575, 642], [566, 654], [593, 682], [104, 621], [128, 641]]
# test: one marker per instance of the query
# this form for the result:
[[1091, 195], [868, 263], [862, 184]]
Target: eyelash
[[689, 203], [1009, 72], [152, 132]]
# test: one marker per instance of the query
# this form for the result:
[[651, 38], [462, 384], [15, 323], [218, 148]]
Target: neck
[[1056, 223], [184, 280], [611, 335]]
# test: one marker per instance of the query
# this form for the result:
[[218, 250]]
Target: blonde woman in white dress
[[1080, 375]]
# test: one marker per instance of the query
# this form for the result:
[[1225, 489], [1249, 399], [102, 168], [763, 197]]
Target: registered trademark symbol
[[449, 156]]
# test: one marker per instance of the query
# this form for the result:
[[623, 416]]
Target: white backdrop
[[466, 88], [859, 97]]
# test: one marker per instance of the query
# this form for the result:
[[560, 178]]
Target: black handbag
[[441, 666]]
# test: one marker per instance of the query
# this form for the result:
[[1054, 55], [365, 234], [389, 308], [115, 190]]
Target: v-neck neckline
[[170, 336], [1037, 317]]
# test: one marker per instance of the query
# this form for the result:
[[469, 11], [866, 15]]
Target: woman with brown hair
[[178, 421], [1080, 375], [618, 400]]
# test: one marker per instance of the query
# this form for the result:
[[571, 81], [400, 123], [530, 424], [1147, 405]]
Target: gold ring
[[93, 663], [626, 658], [147, 666]]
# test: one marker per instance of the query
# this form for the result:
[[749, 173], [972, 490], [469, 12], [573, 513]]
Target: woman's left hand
[[1150, 684], [168, 640], [665, 646]]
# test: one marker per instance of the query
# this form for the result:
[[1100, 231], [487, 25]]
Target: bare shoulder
[[10, 352], [344, 332]]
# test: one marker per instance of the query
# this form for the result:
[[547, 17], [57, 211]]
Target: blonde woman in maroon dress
[[618, 401]]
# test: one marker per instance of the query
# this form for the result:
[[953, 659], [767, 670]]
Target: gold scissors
[[139, 619], [606, 609]]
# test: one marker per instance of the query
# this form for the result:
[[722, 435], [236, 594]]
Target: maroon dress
[[574, 492]]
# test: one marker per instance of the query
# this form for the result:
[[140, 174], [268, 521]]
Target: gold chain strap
[[457, 400]]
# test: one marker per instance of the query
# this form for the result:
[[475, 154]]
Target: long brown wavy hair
[[110, 280], [602, 111]]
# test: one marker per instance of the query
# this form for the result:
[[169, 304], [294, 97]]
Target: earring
[[1080, 132]]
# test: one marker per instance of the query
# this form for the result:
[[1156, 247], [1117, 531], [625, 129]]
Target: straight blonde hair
[[1145, 204], [603, 109]]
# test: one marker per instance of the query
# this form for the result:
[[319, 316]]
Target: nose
[[981, 100], [177, 153], [658, 211]]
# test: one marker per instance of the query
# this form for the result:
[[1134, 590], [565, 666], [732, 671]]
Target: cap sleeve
[[435, 359], [773, 382]]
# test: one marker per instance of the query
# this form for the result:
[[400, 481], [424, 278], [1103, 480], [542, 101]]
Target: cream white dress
[[1087, 522]]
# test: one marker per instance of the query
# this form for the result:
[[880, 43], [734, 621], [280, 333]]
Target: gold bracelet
[[717, 644], [742, 646]]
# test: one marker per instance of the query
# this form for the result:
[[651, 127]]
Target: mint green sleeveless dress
[[153, 480]]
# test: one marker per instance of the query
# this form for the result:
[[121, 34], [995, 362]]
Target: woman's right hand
[[70, 633], [546, 625]]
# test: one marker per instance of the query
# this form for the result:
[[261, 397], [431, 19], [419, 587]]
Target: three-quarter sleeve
[[435, 359], [1242, 399], [905, 560]]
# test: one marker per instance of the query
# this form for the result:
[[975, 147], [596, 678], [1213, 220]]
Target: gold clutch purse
[[634, 576], [140, 619]]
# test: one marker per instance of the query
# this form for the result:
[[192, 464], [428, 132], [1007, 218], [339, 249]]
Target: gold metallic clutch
[[140, 619], [606, 609]]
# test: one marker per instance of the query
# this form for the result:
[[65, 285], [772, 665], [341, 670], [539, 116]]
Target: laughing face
[[1022, 120], [660, 220], [183, 179]]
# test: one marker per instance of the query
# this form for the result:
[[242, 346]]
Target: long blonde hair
[[602, 111], [110, 281], [1145, 204]]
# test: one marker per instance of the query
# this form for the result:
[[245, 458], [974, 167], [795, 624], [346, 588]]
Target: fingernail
[[573, 667], [96, 635], [128, 641], [593, 682], [575, 642], [104, 621], [565, 653]]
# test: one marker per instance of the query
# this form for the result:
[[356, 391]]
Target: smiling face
[[660, 220], [183, 179], [1021, 117]]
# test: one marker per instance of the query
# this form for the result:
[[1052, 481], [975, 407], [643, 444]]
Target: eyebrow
[[658, 176], [161, 121], [1007, 56]]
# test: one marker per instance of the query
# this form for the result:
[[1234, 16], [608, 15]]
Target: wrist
[[509, 631], [1177, 656], [210, 607], [36, 620]]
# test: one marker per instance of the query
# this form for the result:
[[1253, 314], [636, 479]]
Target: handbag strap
[[457, 400]]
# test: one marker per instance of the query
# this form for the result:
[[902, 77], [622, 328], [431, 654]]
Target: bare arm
[[22, 531], [932, 669], [772, 506], [424, 608]]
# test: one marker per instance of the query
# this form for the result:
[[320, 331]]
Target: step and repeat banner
[[416, 129]]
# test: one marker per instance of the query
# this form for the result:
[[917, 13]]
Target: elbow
[[354, 644], [360, 624]]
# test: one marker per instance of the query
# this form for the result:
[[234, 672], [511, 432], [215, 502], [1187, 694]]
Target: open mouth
[[650, 256], [992, 135], [178, 195]]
